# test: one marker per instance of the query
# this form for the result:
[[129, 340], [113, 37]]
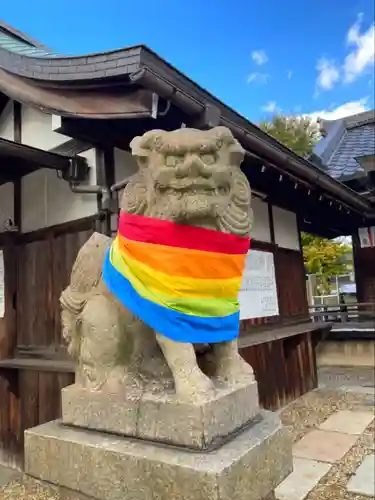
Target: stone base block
[[201, 425], [89, 465], [66, 494]]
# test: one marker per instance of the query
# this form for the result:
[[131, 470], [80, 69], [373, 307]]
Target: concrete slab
[[305, 476], [7, 475], [324, 446], [348, 422], [363, 483]]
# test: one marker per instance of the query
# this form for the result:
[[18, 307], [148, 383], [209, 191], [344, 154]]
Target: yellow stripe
[[144, 278]]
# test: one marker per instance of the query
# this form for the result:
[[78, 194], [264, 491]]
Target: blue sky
[[258, 56]]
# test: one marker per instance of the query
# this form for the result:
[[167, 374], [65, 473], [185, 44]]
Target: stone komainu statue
[[192, 178]]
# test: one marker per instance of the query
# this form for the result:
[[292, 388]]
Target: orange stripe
[[183, 262]]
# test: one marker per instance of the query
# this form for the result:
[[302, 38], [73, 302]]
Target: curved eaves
[[97, 103], [57, 68]]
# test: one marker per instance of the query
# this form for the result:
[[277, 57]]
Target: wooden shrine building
[[65, 128]]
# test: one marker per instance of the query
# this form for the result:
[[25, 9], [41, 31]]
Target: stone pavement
[[339, 445], [318, 450], [363, 482]]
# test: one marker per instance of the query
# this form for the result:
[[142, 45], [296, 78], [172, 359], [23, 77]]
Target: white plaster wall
[[48, 201], [125, 166], [261, 227], [6, 204], [286, 228], [6, 122], [37, 129]]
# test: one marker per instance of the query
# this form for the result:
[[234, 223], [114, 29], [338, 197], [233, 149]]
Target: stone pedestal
[[200, 425], [90, 465]]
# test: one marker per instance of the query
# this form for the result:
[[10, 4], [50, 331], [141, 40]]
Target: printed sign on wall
[[367, 237], [258, 294]]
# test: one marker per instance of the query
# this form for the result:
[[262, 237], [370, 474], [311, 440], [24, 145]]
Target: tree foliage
[[321, 256], [326, 258], [298, 133]]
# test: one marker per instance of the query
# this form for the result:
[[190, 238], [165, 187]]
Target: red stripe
[[162, 232], [370, 237]]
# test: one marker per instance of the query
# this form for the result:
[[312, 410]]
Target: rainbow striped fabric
[[182, 281]]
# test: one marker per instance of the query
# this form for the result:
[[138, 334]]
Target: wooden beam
[[17, 183], [105, 177], [33, 157], [271, 223], [17, 122], [3, 102]]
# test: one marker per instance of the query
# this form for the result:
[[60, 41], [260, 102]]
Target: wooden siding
[[38, 267], [364, 263], [285, 369], [44, 269]]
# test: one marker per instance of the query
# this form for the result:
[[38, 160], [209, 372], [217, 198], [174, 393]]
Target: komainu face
[[190, 176]]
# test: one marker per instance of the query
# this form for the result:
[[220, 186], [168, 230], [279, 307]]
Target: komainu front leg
[[190, 382], [229, 365]]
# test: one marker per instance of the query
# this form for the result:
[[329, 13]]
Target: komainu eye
[[208, 159], [173, 160]]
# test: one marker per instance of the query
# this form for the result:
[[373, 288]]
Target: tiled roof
[[346, 139], [18, 43], [358, 141]]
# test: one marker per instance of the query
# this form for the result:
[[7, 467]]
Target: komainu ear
[[236, 154], [141, 146], [226, 140]]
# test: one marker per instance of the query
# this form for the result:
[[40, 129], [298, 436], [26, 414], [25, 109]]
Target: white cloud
[[259, 57], [346, 109], [328, 75], [363, 53], [270, 107], [290, 74], [258, 78]]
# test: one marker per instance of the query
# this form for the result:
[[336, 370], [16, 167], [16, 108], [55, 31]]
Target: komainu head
[[192, 177]]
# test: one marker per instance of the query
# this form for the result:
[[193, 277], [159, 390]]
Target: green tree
[[326, 258], [321, 256], [298, 133]]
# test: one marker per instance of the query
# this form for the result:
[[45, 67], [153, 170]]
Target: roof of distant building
[[17, 42], [345, 140]]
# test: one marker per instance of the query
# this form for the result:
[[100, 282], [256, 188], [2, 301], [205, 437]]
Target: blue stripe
[[172, 324]]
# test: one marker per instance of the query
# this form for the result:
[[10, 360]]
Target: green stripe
[[203, 307]]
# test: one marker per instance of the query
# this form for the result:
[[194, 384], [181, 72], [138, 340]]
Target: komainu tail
[[85, 276]]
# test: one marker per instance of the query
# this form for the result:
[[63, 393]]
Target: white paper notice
[[367, 237], [2, 285], [258, 294]]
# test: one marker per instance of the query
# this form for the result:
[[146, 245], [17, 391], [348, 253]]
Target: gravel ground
[[28, 489], [309, 412], [301, 416]]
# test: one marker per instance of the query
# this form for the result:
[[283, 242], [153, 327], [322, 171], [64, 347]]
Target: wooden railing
[[343, 312]]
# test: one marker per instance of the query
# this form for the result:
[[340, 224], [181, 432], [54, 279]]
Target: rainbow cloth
[[183, 281]]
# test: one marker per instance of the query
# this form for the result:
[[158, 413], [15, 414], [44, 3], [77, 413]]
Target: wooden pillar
[[105, 177], [10, 424]]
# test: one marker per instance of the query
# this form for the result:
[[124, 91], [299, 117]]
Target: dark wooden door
[[38, 267]]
